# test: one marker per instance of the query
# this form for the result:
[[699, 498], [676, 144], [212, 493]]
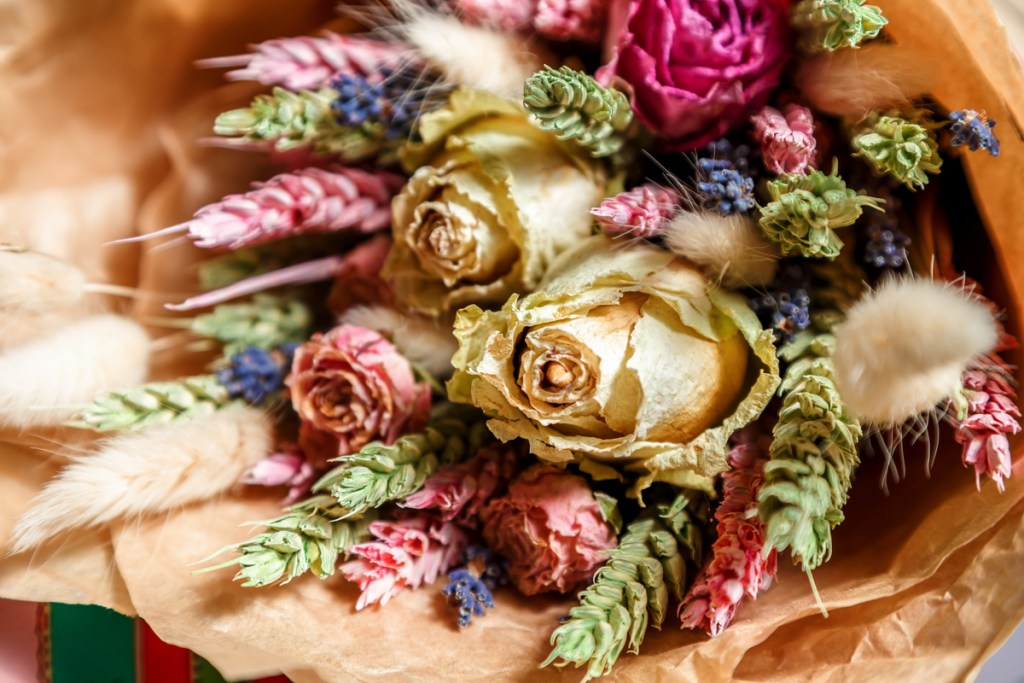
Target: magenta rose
[[353, 385], [697, 68], [550, 529]]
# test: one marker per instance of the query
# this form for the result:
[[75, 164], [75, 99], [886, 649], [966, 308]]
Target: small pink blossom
[[787, 140], [505, 15], [352, 384], [458, 492], [550, 529], [737, 566], [288, 467], [992, 414], [582, 20], [307, 63], [640, 212], [408, 553]]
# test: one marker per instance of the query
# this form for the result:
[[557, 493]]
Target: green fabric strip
[[91, 644]]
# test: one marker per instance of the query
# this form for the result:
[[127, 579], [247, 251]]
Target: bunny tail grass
[[904, 347], [46, 381], [37, 293], [419, 339], [149, 471], [472, 56], [730, 249], [856, 82]]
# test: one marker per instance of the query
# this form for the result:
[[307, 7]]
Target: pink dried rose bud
[[307, 63], [640, 212], [407, 554], [287, 467], [458, 492], [738, 566], [506, 15], [550, 529], [353, 384], [308, 200], [582, 20], [787, 140], [992, 414], [697, 68]]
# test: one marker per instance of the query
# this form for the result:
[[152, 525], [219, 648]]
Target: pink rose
[[550, 529], [352, 384], [698, 68]]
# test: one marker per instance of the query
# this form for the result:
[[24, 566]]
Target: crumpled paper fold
[[99, 117]]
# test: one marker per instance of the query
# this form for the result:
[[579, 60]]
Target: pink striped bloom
[[307, 63], [308, 200], [640, 212], [787, 140], [407, 554], [459, 491], [737, 566]]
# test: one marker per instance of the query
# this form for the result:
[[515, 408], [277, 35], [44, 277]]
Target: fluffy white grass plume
[[37, 292], [857, 82], [472, 56], [149, 471], [419, 339], [45, 381], [729, 249], [903, 348]]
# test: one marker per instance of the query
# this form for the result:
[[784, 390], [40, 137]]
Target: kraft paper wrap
[[99, 116]]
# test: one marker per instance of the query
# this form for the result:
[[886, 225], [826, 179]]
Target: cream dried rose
[[625, 360], [493, 200]]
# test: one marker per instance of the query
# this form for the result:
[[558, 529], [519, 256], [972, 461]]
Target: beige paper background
[[99, 114]]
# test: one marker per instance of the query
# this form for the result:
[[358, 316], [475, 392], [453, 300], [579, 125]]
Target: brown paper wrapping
[[99, 117]]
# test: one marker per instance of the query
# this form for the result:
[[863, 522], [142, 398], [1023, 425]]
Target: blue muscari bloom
[[786, 311], [886, 247], [470, 593], [723, 188], [386, 102], [469, 588], [974, 129], [738, 156], [255, 374]]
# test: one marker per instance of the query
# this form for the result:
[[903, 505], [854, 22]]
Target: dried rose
[[353, 384], [493, 200], [698, 68], [623, 360], [550, 528]]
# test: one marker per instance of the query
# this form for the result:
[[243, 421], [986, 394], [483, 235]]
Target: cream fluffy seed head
[[903, 348]]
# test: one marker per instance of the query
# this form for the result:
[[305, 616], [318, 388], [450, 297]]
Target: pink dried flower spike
[[367, 258], [992, 414], [408, 553], [307, 63], [506, 15], [787, 140], [308, 200], [640, 212], [737, 566]]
